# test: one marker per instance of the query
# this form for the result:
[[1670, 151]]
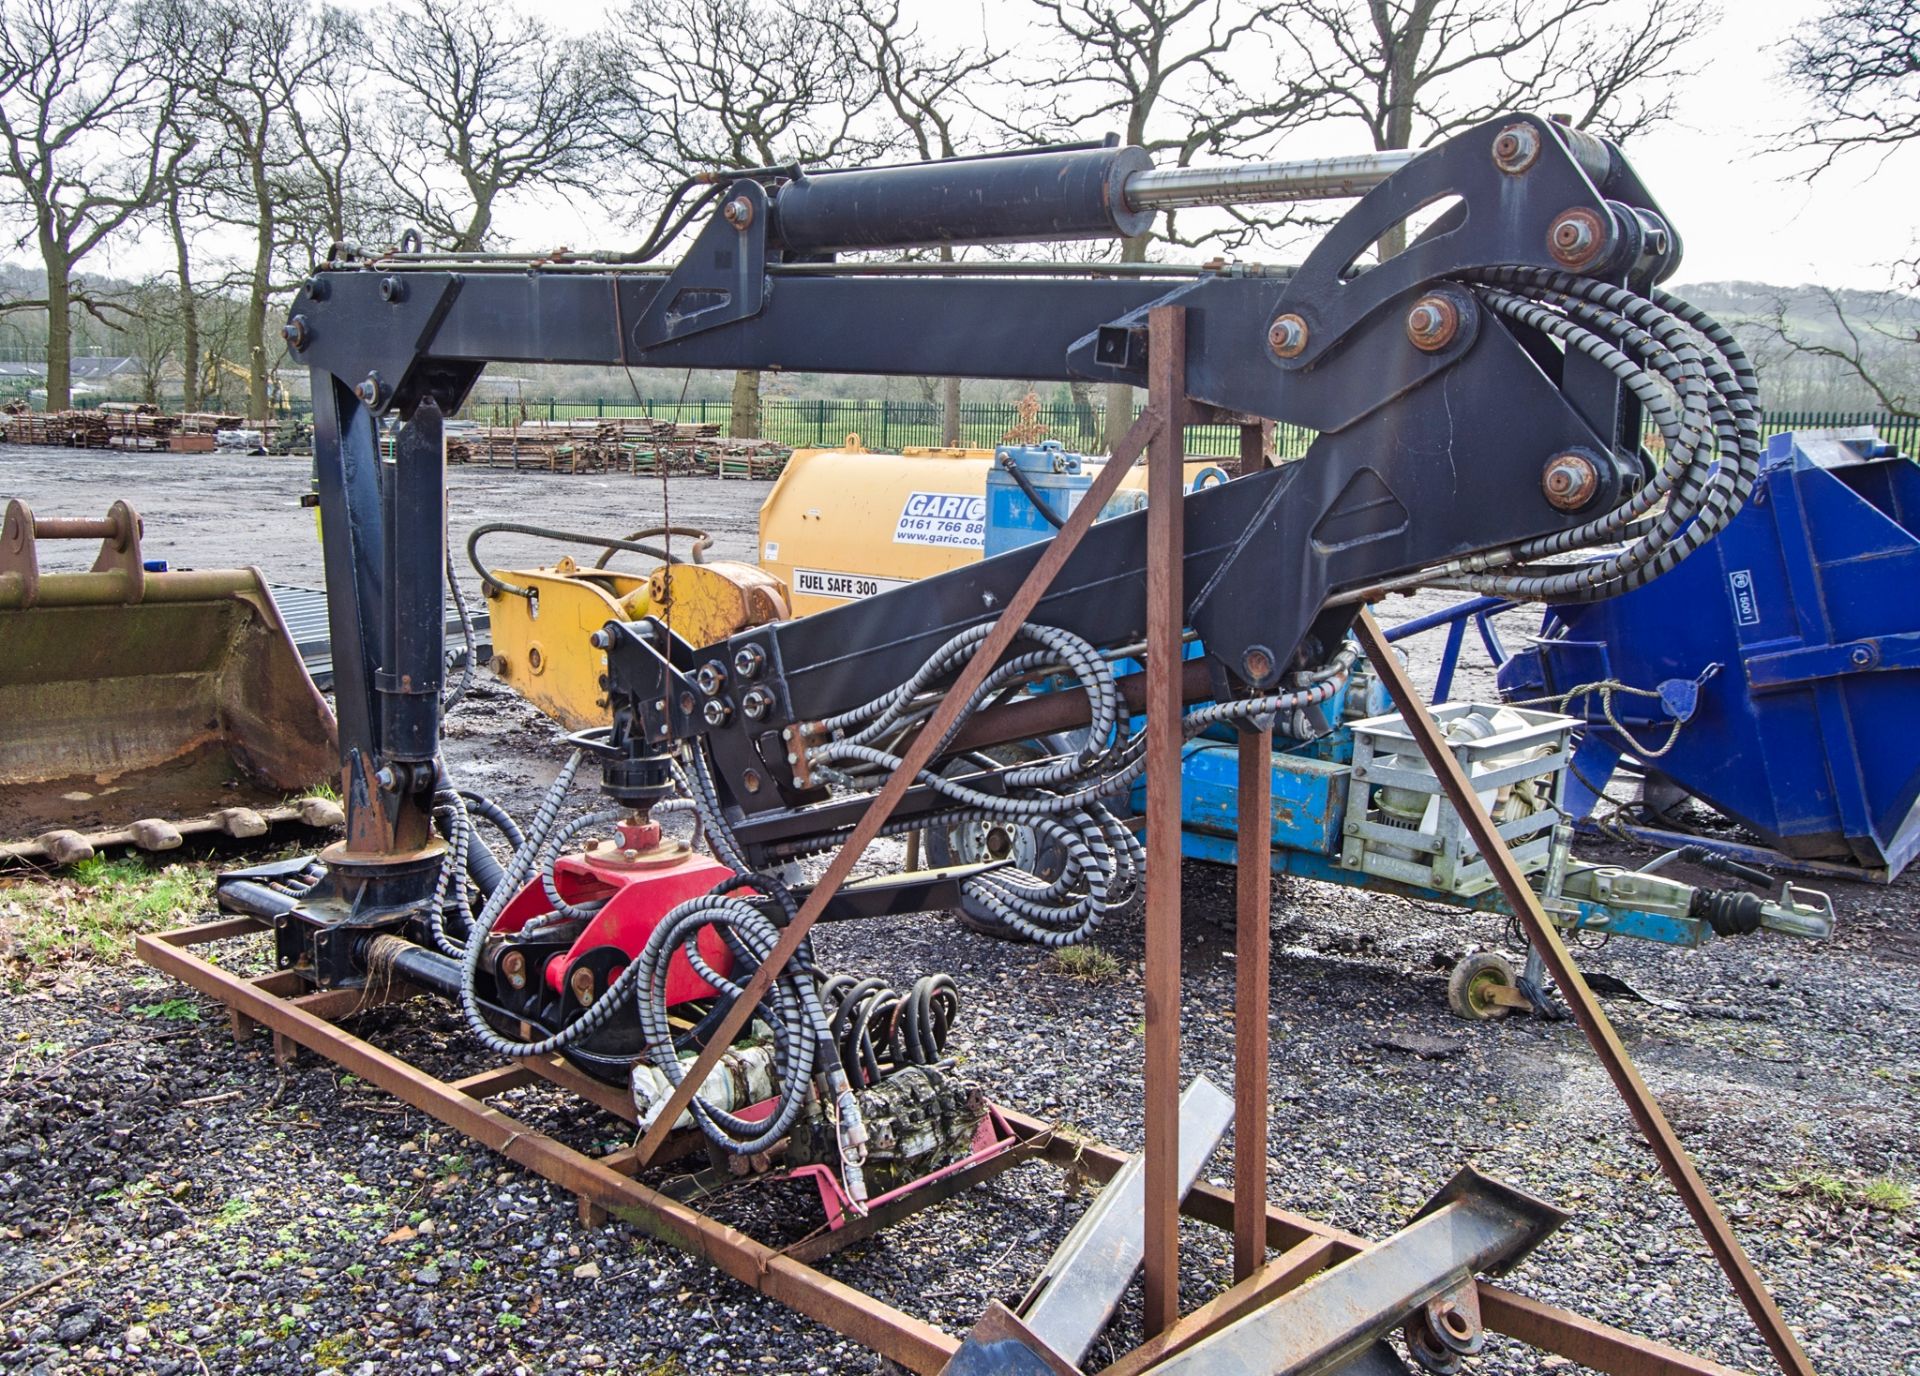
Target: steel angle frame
[[605, 1187]]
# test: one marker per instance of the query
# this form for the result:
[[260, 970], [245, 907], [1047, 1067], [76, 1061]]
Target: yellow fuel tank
[[849, 522], [846, 523]]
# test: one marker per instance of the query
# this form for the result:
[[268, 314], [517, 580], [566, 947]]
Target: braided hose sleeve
[[791, 1010], [555, 847], [1655, 346], [518, 870]]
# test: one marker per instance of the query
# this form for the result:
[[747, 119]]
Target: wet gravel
[[170, 1202]]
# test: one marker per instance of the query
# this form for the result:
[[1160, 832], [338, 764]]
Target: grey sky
[[1744, 212]]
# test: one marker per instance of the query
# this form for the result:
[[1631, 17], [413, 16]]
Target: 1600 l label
[[820, 583], [953, 520]]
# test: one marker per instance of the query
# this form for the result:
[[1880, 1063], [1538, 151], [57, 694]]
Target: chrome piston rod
[[1303, 179]]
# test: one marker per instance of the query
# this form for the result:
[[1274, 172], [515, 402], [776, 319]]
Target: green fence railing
[[897, 424]]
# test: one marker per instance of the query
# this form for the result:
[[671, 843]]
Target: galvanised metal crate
[[1399, 823]]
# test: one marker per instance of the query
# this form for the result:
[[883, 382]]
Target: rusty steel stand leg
[[1525, 905], [1166, 619], [1253, 890]]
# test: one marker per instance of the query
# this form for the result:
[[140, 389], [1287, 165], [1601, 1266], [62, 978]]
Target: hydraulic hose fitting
[[851, 1129]]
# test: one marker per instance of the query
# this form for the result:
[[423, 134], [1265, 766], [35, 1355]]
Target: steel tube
[[1166, 619], [1301, 179], [1253, 891], [1545, 939]]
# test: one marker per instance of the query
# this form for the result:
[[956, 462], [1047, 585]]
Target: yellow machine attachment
[[542, 619], [137, 707]]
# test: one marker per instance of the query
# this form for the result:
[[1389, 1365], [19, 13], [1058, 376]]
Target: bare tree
[[1415, 71], [151, 333], [485, 103], [708, 84], [1874, 346], [177, 213], [84, 135], [1860, 61], [1173, 75], [929, 92], [244, 68], [337, 193]]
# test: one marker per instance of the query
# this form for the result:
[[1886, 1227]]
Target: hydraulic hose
[[480, 532]]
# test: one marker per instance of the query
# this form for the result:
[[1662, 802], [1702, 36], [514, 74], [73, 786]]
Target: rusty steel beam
[[1253, 893], [1045, 713], [823, 1242], [1560, 1331], [498, 1080], [913, 1343], [918, 754], [1166, 620], [1545, 938], [1270, 1281]]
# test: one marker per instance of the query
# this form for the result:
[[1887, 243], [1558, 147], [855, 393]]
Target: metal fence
[[1903, 432], [885, 425]]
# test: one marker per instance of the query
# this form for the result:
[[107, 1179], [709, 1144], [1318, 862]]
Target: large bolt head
[[393, 289], [1433, 322], [1516, 148], [1287, 336], [1569, 481], [747, 661], [1576, 238], [295, 333], [711, 677], [739, 212], [718, 712], [757, 703]]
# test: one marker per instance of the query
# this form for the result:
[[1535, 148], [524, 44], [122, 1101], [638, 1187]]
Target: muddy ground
[[171, 1203]]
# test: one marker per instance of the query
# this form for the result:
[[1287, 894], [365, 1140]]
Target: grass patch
[[235, 1210], [1882, 1194], [169, 1010], [1887, 1195], [1088, 962], [95, 910]]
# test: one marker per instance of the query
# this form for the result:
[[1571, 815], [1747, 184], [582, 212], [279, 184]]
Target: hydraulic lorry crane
[[1479, 399]]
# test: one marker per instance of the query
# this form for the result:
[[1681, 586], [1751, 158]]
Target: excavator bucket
[[139, 707]]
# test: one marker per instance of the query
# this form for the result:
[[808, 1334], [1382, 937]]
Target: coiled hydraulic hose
[[877, 1031], [1697, 387], [1063, 799]]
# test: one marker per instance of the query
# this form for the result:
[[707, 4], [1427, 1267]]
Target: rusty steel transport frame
[[606, 1186]]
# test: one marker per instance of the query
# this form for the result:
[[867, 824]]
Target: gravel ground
[[175, 1204]]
